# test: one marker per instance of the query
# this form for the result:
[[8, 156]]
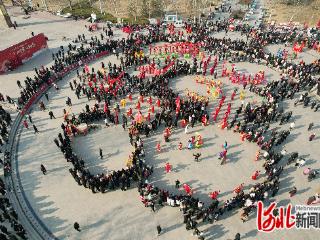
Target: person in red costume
[[214, 195], [167, 167], [255, 175], [158, 146], [138, 106]]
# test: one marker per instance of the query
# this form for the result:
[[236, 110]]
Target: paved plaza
[[58, 201]]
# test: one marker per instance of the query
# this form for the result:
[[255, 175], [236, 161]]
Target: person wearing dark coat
[[43, 169], [237, 236], [100, 153], [35, 129], [159, 229], [76, 226]]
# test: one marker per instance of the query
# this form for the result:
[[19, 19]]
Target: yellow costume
[[242, 95], [123, 102], [129, 162]]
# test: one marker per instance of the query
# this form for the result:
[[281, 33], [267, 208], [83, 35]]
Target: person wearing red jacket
[[214, 195], [255, 175]]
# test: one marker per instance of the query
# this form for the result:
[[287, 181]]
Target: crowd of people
[[9, 224], [104, 182], [251, 121], [5, 121]]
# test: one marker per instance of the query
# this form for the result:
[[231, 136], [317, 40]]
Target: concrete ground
[[59, 201]]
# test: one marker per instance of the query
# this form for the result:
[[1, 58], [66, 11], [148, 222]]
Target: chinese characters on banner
[[14, 56]]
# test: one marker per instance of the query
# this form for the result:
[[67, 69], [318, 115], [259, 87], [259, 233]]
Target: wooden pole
[[4, 14]]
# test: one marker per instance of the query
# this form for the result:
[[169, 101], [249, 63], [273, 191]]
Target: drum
[[82, 129]]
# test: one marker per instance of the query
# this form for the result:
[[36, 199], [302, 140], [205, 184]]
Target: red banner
[[14, 56]]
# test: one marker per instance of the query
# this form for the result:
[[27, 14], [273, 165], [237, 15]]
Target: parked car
[[178, 24], [67, 15], [153, 21]]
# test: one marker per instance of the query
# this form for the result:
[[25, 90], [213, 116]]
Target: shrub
[[84, 10]]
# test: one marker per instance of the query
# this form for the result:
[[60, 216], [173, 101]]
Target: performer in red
[[255, 175], [158, 146], [167, 167], [224, 72], [150, 100], [183, 123], [204, 120], [233, 95], [130, 97], [187, 188], [211, 70], [68, 130], [167, 131], [180, 146], [105, 107], [166, 134], [138, 106], [25, 124], [148, 118], [243, 136], [238, 189], [214, 195], [141, 99], [224, 123], [129, 112], [215, 115], [243, 80], [229, 108], [158, 103]]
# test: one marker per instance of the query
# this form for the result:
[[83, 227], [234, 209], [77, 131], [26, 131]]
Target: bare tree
[[70, 4], [133, 9], [157, 8], [145, 8]]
